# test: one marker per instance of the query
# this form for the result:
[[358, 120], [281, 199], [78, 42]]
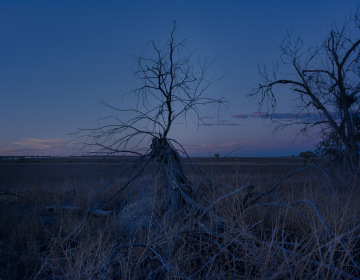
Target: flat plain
[[60, 171], [281, 219]]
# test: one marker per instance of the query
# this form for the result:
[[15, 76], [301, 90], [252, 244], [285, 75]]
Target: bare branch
[[324, 79]]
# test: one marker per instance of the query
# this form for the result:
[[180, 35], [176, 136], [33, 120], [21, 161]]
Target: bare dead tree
[[325, 82], [171, 90]]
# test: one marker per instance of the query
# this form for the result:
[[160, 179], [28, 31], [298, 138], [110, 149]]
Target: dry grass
[[307, 228]]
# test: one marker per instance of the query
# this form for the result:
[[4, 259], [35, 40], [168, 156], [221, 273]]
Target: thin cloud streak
[[38, 147], [284, 116], [219, 123], [278, 116], [41, 144]]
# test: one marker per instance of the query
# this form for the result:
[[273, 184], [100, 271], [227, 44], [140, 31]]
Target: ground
[[306, 227]]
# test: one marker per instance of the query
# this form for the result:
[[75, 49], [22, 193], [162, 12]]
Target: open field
[[47, 171], [307, 227]]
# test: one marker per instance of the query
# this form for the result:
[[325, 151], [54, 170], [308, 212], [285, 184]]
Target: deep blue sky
[[58, 58]]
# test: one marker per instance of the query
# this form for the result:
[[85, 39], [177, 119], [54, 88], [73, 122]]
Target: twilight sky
[[59, 58]]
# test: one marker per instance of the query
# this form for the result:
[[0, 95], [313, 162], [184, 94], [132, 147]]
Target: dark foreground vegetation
[[275, 225]]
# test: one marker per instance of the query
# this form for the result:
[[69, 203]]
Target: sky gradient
[[59, 58]]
